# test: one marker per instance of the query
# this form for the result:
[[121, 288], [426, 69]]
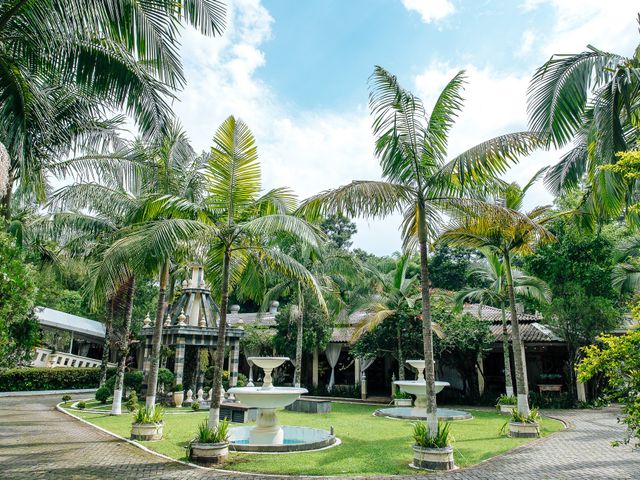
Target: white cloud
[[528, 37], [430, 10]]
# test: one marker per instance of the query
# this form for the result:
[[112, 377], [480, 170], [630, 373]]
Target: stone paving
[[37, 442]]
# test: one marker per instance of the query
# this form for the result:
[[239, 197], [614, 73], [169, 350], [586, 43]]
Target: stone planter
[[433, 458], [178, 398], [209, 453], [524, 430], [402, 402], [147, 431], [507, 409]]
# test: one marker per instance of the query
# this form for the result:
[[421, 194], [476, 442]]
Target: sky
[[296, 72]]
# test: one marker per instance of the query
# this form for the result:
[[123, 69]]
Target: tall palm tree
[[115, 55], [505, 232], [395, 295], [491, 273], [591, 99], [419, 180]]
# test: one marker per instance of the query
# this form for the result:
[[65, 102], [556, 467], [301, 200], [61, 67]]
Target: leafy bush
[[424, 440], [551, 400], [506, 400], [400, 394], [550, 378], [132, 402], [178, 388], [133, 380], [342, 391], [217, 434], [103, 394], [195, 406], [27, 379], [533, 416], [166, 378], [208, 379], [66, 398], [148, 415], [81, 405]]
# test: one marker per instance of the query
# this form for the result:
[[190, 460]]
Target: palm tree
[[505, 232], [590, 99], [395, 296], [491, 273], [116, 56], [419, 181]]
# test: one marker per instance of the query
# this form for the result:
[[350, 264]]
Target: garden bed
[[370, 445]]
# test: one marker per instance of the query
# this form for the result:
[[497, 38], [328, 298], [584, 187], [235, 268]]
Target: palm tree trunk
[[508, 381], [152, 380], [427, 330], [400, 352], [107, 339], [5, 203], [299, 336], [116, 406], [214, 411], [518, 359]]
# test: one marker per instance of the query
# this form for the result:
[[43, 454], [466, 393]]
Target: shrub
[[506, 400], [400, 394], [195, 406], [551, 400], [132, 402], [533, 416], [424, 440], [178, 388], [66, 398], [26, 379], [148, 415], [133, 380], [81, 405], [166, 378], [217, 434], [103, 394], [342, 391]]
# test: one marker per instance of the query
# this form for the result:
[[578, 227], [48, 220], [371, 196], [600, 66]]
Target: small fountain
[[418, 388], [267, 435]]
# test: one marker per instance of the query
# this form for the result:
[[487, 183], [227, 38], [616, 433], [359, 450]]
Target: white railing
[[47, 358]]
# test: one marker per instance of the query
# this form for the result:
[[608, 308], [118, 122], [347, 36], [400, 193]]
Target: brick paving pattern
[[37, 442]]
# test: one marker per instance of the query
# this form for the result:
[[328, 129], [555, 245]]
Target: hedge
[[27, 379]]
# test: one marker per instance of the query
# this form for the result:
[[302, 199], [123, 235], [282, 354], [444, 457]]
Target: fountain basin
[[415, 413], [295, 439], [418, 387], [276, 397]]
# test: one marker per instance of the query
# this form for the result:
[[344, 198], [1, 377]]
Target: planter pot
[[524, 430], [209, 453], [178, 398], [402, 402], [507, 409], [433, 458], [147, 431]]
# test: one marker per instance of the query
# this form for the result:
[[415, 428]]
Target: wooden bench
[[309, 405], [546, 387]]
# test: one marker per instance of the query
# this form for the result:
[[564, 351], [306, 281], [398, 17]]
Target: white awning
[[49, 317]]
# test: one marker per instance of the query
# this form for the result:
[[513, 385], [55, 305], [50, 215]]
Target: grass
[[370, 445]]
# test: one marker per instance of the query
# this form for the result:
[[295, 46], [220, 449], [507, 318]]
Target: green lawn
[[370, 445]]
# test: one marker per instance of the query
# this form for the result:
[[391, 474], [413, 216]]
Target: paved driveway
[[37, 442]]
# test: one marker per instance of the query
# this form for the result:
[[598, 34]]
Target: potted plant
[[402, 399], [506, 404], [147, 424], [178, 395], [524, 426], [211, 445], [432, 451]]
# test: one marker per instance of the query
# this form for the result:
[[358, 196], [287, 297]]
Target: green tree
[[506, 232], [339, 230], [491, 274], [590, 99], [418, 179], [18, 326], [617, 358], [448, 267], [65, 63]]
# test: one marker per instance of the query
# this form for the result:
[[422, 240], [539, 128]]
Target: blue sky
[[296, 72]]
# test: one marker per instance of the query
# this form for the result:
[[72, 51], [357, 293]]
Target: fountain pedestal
[[267, 430]]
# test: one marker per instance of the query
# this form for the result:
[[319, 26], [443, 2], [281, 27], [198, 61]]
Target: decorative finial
[[240, 324], [146, 323], [181, 318], [185, 284], [167, 321]]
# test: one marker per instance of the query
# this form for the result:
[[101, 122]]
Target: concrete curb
[[46, 392]]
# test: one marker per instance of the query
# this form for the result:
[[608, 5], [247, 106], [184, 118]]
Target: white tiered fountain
[[268, 435], [418, 388]]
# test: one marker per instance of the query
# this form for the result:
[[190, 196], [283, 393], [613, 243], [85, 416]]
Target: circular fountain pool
[[295, 439], [413, 413]]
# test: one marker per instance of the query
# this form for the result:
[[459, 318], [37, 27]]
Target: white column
[[356, 368]]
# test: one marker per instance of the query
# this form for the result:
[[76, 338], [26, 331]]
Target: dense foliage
[[29, 379]]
